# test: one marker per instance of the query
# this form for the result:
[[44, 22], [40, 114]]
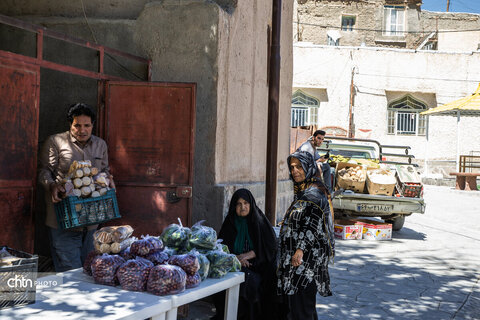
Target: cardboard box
[[377, 187], [375, 230], [348, 230], [349, 184]]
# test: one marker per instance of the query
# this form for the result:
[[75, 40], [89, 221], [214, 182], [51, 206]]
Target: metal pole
[[272, 127], [458, 141], [448, 5]]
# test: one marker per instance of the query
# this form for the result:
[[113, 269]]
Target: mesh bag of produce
[[121, 233], [203, 262], [146, 245], [220, 263], [176, 236], [188, 262], [104, 269], [193, 280], [126, 254], [158, 257], [87, 264], [133, 274], [236, 265], [166, 279], [203, 237]]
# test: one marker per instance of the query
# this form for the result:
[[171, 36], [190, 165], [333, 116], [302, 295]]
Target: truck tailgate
[[380, 205]]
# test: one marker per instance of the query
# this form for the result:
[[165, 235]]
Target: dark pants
[[302, 304], [70, 248]]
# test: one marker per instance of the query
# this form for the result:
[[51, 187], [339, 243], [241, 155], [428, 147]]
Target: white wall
[[380, 74]]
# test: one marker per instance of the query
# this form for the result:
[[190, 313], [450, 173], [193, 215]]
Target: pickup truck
[[392, 209]]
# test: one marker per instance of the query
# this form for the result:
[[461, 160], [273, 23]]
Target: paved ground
[[430, 270]]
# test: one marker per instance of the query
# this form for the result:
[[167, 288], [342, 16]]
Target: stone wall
[[220, 45]]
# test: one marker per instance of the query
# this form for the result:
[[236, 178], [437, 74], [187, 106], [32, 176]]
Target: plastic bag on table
[[104, 269], [202, 237], [146, 245], [158, 257], [101, 247], [104, 235], [176, 236], [193, 280], [87, 264], [188, 262], [126, 254], [166, 279], [117, 247], [121, 233], [203, 262], [220, 263], [133, 274], [236, 265]]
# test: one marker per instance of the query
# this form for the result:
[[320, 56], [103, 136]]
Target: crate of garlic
[[88, 199], [350, 177]]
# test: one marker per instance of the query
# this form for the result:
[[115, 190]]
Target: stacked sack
[[146, 264], [83, 180]]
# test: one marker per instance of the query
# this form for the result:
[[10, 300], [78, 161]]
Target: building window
[[347, 23], [304, 110], [404, 117], [333, 37], [394, 21]]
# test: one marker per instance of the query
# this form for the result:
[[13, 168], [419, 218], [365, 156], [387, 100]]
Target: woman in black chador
[[250, 236], [306, 241]]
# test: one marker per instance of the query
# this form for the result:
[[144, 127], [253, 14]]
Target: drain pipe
[[273, 112]]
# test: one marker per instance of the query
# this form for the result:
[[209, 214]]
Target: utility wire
[[381, 30], [107, 54]]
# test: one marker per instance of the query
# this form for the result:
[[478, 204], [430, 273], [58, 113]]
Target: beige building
[[383, 23], [392, 81]]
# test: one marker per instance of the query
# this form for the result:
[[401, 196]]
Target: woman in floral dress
[[306, 241]]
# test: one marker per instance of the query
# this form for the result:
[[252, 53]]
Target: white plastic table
[[78, 297]]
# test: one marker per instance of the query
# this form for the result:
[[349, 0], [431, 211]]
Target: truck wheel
[[397, 223]]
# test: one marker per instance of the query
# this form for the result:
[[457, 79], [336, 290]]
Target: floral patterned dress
[[308, 226]]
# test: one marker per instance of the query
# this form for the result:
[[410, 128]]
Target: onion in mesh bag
[[133, 274], [188, 262], [104, 269], [202, 237], [176, 236], [146, 245], [87, 265], [166, 279], [126, 254], [158, 257], [193, 280]]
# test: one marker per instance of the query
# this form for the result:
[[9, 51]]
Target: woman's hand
[[297, 258], [244, 257]]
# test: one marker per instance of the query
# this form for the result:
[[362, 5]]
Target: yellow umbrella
[[468, 106]]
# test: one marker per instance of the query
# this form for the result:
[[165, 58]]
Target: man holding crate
[[70, 247]]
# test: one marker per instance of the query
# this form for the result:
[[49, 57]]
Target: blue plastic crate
[[73, 212]]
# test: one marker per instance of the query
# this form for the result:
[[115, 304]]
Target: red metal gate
[[150, 135], [19, 100]]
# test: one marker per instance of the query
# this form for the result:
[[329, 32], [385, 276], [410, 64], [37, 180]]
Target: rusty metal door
[[149, 129], [19, 101]]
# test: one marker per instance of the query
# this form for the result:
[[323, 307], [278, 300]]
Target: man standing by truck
[[311, 146]]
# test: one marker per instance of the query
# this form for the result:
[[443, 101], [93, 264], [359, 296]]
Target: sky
[[470, 6]]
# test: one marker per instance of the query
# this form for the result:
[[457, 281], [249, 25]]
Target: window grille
[[304, 110], [403, 117], [347, 23]]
